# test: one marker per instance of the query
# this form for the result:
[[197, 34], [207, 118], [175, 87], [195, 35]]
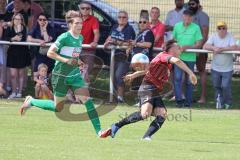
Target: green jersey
[[187, 36], [67, 46]]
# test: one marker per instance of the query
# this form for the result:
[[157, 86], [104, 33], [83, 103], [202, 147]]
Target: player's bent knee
[[161, 112]]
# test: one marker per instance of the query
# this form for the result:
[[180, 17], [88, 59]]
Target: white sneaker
[[146, 139], [26, 105], [13, 95], [19, 95]]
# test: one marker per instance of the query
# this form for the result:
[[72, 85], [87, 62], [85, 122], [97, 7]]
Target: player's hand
[[81, 63], [128, 79], [72, 61], [93, 44], [193, 78]]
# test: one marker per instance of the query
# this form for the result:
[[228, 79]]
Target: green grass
[[201, 135]]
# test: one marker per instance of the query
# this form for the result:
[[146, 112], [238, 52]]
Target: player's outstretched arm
[[185, 68], [129, 77]]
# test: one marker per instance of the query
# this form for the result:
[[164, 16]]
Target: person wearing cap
[[222, 63], [201, 19], [188, 36]]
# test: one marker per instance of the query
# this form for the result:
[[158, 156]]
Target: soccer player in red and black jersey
[[156, 74]]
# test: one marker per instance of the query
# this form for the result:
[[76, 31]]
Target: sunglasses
[[19, 19], [121, 17], [42, 19], [144, 22], [192, 4], [85, 8], [221, 28]]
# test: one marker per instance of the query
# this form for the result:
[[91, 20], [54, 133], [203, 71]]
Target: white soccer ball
[[139, 61]]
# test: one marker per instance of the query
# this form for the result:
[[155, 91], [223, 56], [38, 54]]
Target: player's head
[[172, 47], [42, 69], [74, 21]]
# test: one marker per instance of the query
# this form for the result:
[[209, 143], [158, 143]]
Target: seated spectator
[[18, 57], [121, 34], [42, 90], [222, 63], [145, 39], [41, 33]]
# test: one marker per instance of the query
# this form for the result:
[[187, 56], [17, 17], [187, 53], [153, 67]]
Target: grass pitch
[[197, 134]]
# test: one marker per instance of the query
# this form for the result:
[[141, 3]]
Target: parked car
[[106, 14]]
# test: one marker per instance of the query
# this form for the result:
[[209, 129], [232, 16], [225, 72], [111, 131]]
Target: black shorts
[[149, 93]]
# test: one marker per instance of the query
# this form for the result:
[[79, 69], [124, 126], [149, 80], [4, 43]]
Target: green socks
[[43, 104], [93, 115]]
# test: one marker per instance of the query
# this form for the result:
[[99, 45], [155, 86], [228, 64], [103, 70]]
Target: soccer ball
[[139, 62]]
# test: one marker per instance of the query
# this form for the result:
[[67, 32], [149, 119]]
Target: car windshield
[[107, 8]]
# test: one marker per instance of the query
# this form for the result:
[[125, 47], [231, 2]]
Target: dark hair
[[196, 1], [85, 2], [27, 1], [43, 14], [168, 45]]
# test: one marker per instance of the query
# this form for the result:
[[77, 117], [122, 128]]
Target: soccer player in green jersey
[[66, 74]]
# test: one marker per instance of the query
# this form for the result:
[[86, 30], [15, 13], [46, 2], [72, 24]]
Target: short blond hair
[[70, 15], [42, 65]]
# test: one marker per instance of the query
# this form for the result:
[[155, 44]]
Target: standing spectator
[[42, 33], [188, 36], [33, 10], [90, 33], [121, 34], [2, 50], [201, 19], [18, 57], [222, 63], [157, 27], [174, 16], [18, 7], [145, 39]]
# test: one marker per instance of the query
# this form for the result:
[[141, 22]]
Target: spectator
[[42, 90], [157, 27], [2, 50], [33, 10], [90, 32], [145, 39], [174, 16], [201, 19], [188, 36], [18, 7], [18, 57], [222, 63], [42, 33], [121, 34]]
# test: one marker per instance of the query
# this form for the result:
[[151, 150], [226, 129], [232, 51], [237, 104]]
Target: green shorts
[[62, 83]]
